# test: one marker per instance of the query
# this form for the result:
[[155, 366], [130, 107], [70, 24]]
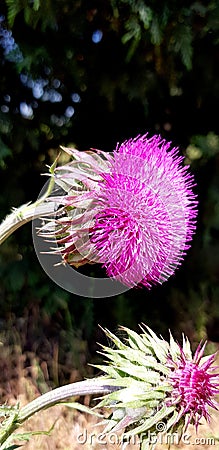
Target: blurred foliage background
[[91, 74]]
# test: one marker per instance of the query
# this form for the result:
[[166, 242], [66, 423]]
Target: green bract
[[140, 367]]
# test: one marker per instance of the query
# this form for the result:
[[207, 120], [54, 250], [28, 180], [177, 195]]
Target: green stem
[[93, 386], [27, 212]]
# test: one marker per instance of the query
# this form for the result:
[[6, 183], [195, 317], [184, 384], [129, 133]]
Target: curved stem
[[22, 215], [93, 386], [28, 211]]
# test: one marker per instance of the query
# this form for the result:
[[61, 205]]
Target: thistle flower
[[194, 385], [133, 211], [159, 383]]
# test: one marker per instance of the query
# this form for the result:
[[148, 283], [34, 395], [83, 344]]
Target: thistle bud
[[158, 382]]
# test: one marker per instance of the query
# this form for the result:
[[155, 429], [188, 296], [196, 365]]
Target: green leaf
[[115, 339], [152, 421], [156, 32], [136, 341], [12, 447], [82, 408], [14, 7], [5, 151], [28, 435], [140, 372], [36, 5], [133, 30], [183, 44], [145, 14]]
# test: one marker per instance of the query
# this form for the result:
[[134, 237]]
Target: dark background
[[90, 74]]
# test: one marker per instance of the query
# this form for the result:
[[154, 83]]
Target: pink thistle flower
[[133, 211], [194, 383], [146, 214]]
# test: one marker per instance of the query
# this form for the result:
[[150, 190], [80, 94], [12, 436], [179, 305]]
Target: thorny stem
[[93, 386]]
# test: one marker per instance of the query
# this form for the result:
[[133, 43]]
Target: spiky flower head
[[161, 385], [194, 383], [133, 211]]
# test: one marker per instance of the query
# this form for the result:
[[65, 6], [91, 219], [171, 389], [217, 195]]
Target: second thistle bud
[[158, 382]]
